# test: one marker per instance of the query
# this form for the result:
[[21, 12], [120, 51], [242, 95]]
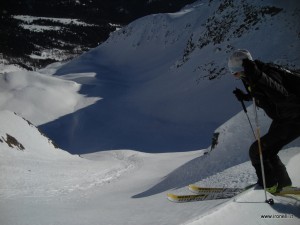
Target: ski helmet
[[235, 61]]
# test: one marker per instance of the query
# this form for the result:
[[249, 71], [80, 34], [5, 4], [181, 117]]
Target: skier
[[280, 102]]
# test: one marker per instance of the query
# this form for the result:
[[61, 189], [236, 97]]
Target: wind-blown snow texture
[[159, 85]]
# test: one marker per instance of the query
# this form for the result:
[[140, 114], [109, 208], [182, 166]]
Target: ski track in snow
[[66, 178], [38, 169]]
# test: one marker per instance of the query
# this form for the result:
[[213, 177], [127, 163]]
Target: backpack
[[290, 79]]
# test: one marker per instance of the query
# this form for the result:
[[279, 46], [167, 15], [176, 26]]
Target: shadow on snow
[[119, 121]]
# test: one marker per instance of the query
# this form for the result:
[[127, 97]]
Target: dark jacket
[[266, 86]]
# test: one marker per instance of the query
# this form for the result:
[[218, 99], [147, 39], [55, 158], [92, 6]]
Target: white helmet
[[235, 61]]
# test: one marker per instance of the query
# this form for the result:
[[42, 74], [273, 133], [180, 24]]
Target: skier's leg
[[281, 173], [270, 176], [278, 136], [287, 132]]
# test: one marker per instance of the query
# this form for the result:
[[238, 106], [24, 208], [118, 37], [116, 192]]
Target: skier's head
[[235, 61]]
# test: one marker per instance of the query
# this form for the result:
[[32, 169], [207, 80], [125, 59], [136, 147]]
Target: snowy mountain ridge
[[214, 24], [19, 135]]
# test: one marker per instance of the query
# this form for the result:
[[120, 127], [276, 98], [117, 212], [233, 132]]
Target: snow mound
[[40, 169], [38, 97]]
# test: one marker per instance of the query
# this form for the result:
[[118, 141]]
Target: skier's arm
[[254, 76]]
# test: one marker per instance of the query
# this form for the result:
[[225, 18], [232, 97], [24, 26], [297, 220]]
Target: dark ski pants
[[279, 135]]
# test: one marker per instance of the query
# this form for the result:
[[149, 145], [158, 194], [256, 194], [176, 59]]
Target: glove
[[252, 73], [240, 95]]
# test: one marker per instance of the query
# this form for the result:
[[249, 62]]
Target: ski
[[206, 193], [198, 197], [186, 198], [207, 190], [288, 191]]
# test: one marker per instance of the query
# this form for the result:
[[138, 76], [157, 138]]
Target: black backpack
[[290, 79]]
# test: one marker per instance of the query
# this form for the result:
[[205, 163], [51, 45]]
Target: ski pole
[[269, 201], [245, 110]]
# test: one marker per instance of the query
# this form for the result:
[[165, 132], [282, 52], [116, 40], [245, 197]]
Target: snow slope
[[163, 84], [144, 105], [44, 185], [33, 167]]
